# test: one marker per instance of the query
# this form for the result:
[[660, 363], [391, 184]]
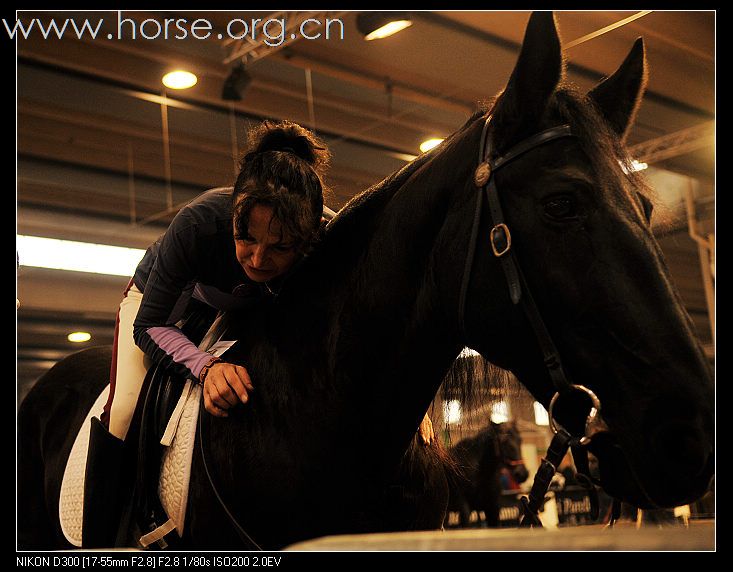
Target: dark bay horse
[[350, 354], [480, 459]]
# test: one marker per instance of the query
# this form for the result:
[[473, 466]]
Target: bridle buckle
[[502, 232]]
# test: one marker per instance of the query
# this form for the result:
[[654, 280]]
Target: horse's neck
[[367, 316], [407, 337]]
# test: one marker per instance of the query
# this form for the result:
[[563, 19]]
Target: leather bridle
[[500, 239]]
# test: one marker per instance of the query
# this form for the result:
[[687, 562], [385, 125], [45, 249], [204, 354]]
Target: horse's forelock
[[601, 144]]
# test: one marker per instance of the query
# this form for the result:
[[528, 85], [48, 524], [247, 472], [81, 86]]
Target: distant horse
[[351, 353], [481, 459]]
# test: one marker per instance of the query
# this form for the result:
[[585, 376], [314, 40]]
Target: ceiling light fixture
[[452, 412], [79, 337], [236, 84], [179, 79], [635, 166], [541, 417], [427, 145], [378, 25], [638, 165], [468, 352], [41, 252], [500, 412]]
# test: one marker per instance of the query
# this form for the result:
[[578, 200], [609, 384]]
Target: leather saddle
[[159, 395]]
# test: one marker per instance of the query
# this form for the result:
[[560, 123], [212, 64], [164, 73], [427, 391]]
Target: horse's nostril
[[681, 448]]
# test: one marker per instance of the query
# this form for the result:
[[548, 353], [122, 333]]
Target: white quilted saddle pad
[[175, 470], [71, 501]]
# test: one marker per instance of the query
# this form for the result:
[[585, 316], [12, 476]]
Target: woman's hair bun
[[283, 170], [289, 137]]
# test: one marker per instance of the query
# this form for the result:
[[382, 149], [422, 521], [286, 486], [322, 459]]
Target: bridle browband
[[500, 239]]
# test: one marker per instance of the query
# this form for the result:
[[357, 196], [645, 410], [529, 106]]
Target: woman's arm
[[168, 280], [174, 269]]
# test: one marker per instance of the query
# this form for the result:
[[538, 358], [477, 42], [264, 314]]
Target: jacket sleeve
[[170, 277]]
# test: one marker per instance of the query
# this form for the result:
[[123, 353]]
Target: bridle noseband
[[500, 239]]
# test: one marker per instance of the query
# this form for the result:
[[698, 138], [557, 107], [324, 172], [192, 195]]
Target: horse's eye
[[562, 207]]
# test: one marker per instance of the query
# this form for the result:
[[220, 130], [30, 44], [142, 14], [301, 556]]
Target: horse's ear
[[538, 71], [618, 96]]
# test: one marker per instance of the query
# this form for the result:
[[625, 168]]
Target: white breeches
[[132, 365]]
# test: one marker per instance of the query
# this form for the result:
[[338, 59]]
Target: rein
[[501, 245]]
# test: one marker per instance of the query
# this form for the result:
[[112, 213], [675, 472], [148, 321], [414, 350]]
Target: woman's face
[[263, 253]]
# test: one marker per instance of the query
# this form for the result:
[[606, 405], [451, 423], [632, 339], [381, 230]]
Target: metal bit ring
[[593, 423]]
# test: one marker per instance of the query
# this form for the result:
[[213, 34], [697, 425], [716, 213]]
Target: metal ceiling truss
[[675, 144]]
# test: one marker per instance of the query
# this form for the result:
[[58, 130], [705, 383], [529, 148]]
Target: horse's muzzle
[[650, 482], [677, 448]]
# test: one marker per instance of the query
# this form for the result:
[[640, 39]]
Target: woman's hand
[[225, 385]]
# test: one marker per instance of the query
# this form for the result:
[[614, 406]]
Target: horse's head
[[577, 226], [509, 443]]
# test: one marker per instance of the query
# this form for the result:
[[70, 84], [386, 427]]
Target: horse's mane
[[603, 147]]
